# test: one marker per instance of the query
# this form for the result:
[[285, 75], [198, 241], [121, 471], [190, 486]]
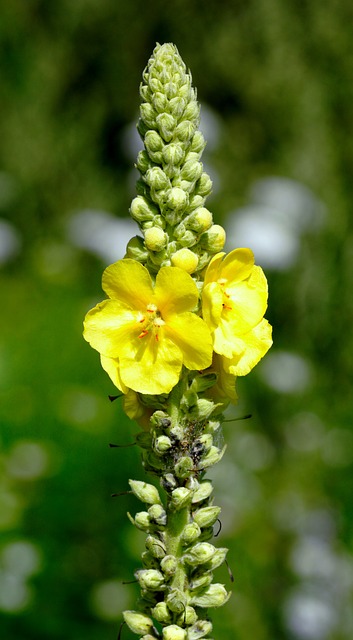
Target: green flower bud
[[214, 238], [173, 632], [166, 124], [183, 467], [141, 210], [187, 617], [218, 558], [203, 381], [201, 580], [204, 258], [154, 461], [149, 637], [206, 516], [171, 89], [180, 498], [150, 579], [173, 154], [200, 220], [215, 596], [212, 456], [141, 520], [158, 514], [188, 239], [148, 115], [162, 444], [206, 440], [199, 630], [161, 612], [185, 259], [204, 185], [136, 250], [168, 482], [155, 546], [137, 622], [204, 491], [198, 142], [191, 170], [156, 178], [155, 239], [192, 112], [185, 130], [148, 561], [145, 93], [160, 102], [195, 202], [160, 419], [144, 439], [177, 199], [199, 554], [177, 106], [203, 409], [155, 85], [145, 492], [176, 600], [169, 565], [190, 533], [142, 162]]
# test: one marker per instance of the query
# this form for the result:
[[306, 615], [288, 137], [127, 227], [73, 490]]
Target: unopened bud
[[176, 600], [148, 114], [202, 409], [141, 210], [215, 596], [137, 622], [200, 220], [218, 558], [180, 498], [190, 533], [213, 456], [155, 546], [185, 130], [161, 612], [173, 632], [192, 111], [191, 170], [183, 467], [200, 629], [160, 419], [168, 482], [143, 161], [169, 565], [145, 492], [136, 250], [155, 239], [200, 553], [185, 259], [201, 581], [177, 199], [173, 153], [198, 142], [150, 579], [177, 106], [188, 616], [162, 444], [160, 102], [204, 491], [141, 520], [156, 178], [214, 238], [166, 125], [158, 515], [207, 516]]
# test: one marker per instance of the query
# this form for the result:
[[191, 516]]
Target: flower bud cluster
[[177, 228], [179, 453]]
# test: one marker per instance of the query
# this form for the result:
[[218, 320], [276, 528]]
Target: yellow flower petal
[[256, 344], [108, 325], [151, 366], [111, 366], [213, 270], [212, 304], [193, 338], [135, 410], [237, 265], [128, 281], [247, 301], [175, 291]]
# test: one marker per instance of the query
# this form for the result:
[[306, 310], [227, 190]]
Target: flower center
[[227, 302], [150, 320]]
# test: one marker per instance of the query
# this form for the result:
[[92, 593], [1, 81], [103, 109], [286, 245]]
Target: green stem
[[176, 523]]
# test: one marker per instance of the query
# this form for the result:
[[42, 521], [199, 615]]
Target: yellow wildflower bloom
[[146, 333], [234, 301]]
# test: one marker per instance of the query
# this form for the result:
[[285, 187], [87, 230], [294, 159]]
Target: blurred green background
[[275, 80]]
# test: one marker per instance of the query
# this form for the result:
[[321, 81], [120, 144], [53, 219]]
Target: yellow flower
[[224, 389], [146, 333], [234, 300]]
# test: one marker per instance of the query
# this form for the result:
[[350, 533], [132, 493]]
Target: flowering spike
[[181, 321]]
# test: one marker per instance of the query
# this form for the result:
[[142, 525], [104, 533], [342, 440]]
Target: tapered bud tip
[[185, 259], [150, 579], [145, 492], [155, 239], [215, 596], [137, 622]]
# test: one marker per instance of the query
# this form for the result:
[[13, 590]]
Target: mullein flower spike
[[181, 321]]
